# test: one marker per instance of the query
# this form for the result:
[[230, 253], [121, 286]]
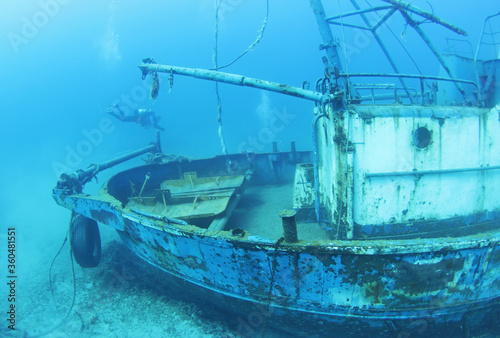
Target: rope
[[249, 48], [64, 320], [215, 61], [155, 85], [216, 65]]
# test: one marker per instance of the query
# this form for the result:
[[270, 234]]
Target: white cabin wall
[[461, 137], [466, 142], [326, 164]]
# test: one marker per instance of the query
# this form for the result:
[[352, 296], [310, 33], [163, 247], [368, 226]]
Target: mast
[[330, 45], [235, 79]]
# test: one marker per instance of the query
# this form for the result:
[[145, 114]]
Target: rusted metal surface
[[380, 146], [104, 210], [370, 287], [239, 80], [303, 186], [371, 282], [410, 191]]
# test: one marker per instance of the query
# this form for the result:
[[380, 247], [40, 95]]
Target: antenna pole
[[330, 45]]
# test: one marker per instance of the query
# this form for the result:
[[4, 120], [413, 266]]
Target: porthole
[[422, 137]]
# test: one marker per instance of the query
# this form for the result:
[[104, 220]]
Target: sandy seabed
[[122, 297]]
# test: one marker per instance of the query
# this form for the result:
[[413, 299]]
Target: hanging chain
[[155, 86], [170, 81], [274, 264]]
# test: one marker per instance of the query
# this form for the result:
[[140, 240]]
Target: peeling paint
[[360, 284]]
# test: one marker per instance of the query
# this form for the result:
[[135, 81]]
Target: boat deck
[[259, 209]]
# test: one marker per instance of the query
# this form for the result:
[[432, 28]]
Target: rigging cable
[[215, 61], [216, 65], [398, 40], [249, 48], [64, 320]]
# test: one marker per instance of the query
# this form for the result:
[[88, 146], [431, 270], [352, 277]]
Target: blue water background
[[59, 64]]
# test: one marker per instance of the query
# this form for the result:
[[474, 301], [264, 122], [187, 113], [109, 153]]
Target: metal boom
[[238, 80]]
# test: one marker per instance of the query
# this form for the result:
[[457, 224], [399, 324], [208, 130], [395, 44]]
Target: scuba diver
[[145, 117]]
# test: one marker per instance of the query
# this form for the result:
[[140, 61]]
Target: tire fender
[[85, 241]]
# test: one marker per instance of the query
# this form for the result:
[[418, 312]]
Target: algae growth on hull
[[123, 297]]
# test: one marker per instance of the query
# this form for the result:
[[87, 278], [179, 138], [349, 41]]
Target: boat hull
[[364, 289], [428, 286]]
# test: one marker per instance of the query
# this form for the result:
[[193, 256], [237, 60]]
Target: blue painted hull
[[434, 286], [409, 191], [414, 287]]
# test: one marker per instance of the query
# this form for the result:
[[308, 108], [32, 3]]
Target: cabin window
[[422, 137]]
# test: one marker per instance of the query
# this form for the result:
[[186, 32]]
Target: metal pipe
[[433, 49], [146, 179], [331, 47], [235, 79], [158, 142], [359, 11], [375, 86], [275, 146], [406, 6], [410, 76], [219, 224], [377, 97], [316, 166], [476, 55], [349, 182], [350, 25], [382, 46], [72, 183], [383, 19], [431, 172], [84, 175], [289, 225], [482, 36]]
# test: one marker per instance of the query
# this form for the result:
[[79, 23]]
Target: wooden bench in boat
[[194, 197]]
